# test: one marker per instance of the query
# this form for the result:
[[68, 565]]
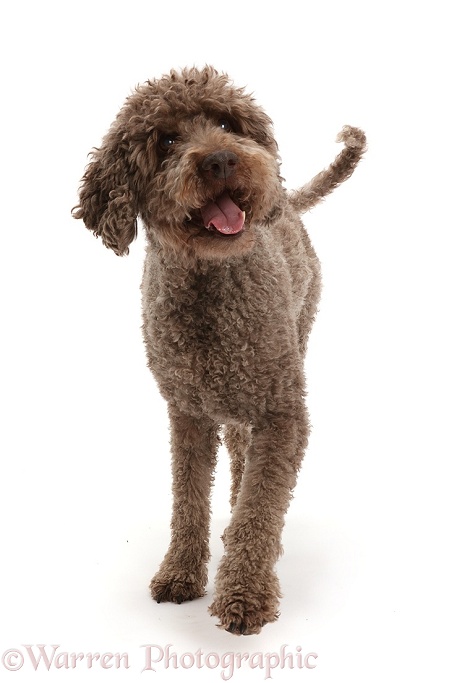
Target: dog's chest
[[212, 335], [206, 323]]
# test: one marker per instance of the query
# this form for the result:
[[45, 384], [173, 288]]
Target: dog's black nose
[[220, 164]]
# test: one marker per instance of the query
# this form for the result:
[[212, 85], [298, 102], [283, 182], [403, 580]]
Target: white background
[[85, 464]]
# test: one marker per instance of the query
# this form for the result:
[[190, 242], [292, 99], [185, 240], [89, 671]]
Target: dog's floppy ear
[[107, 200]]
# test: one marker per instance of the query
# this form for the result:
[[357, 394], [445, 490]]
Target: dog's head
[[195, 157]]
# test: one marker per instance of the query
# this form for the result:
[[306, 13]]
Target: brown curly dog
[[230, 291]]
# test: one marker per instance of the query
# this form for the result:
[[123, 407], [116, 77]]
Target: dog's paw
[[244, 615], [177, 586], [245, 601]]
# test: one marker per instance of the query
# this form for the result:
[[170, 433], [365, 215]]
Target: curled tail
[[340, 170]]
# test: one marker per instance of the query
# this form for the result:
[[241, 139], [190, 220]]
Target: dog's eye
[[225, 125], [167, 141]]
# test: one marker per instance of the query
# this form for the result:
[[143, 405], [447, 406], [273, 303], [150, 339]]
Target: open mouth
[[221, 216]]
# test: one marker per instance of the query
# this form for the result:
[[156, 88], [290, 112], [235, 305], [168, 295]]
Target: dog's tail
[[339, 171]]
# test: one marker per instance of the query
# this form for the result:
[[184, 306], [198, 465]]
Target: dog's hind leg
[[183, 572], [237, 439]]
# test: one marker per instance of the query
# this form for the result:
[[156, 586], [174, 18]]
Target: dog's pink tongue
[[224, 215]]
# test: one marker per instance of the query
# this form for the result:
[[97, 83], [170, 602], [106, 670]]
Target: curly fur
[[226, 317]]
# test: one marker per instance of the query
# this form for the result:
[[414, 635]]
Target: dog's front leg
[[183, 572], [247, 589]]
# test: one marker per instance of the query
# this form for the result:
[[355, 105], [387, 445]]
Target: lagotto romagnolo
[[230, 291]]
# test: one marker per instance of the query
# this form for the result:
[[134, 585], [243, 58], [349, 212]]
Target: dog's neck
[[184, 268]]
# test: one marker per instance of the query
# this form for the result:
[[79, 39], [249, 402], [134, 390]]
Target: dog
[[230, 290]]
